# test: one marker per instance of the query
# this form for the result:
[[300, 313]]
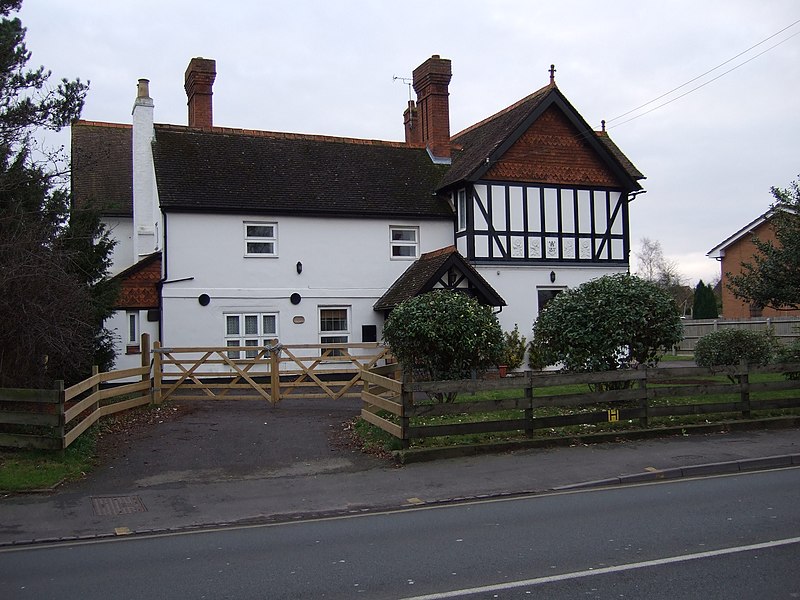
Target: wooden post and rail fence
[[53, 419], [405, 410]]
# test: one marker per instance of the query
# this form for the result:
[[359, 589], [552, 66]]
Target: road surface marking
[[602, 571]]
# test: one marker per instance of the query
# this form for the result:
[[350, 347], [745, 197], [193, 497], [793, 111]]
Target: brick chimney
[[411, 124], [431, 80], [198, 81]]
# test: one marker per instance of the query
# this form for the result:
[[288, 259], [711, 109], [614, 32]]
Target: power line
[[703, 75]]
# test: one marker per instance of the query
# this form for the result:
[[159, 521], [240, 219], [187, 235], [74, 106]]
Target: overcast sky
[[327, 67]]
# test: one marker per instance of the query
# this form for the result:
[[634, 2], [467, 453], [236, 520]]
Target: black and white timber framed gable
[[534, 184], [442, 269]]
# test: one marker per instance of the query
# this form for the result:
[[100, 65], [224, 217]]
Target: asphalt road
[[734, 536]]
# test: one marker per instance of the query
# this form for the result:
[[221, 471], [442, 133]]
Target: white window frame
[[132, 326], [261, 337], [342, 335], [260, 239], [413, 244], [461, 209]]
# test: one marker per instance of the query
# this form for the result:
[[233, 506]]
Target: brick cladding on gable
[[739, 252], [552, 151], [139, 288]]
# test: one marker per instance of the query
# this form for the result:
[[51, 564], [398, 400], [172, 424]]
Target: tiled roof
[[102, 163], [425, 272], [476, 144], [139, 284], [623, 160], [223, 170]]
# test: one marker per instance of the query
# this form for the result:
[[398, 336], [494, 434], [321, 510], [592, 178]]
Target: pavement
[[220, 463]]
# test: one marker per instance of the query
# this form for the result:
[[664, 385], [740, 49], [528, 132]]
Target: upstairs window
[[461, 208], [250, 329], [260, 239], [404, 242]]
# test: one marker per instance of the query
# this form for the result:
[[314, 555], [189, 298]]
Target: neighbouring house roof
[[432, 268], [478, 147], [238, 171], [718, 251], [102, 167], [139, 284]]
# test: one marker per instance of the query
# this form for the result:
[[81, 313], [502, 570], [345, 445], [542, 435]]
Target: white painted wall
[[346, 262], [118, 326], [519, 286], [121, 230]]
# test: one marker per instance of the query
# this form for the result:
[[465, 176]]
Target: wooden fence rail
[[403, 408], [54, 419]]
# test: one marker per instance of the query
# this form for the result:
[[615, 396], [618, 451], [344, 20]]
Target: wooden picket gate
[[269, 373]]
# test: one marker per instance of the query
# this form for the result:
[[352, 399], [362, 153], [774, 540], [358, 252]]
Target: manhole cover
[[117, 505]]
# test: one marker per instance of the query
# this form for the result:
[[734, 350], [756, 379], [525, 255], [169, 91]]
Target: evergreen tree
[[54, 290], [705, 302]]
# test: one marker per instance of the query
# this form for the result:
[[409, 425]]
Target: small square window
[[261, 239], [404, 242]]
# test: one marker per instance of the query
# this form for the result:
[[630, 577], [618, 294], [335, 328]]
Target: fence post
[[643, 401], [744, 387], [529, 405], [61, 428], [406, 402], [145, 349], [155, 385], [275, 372], [95, 387]]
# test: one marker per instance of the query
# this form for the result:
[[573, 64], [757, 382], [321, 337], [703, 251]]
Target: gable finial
[[552, 74], [603, 125]]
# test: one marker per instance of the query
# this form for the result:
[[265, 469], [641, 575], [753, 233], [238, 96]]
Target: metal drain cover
[[117, 505]]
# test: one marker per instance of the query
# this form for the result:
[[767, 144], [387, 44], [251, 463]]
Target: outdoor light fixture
[[552, 276], [299, 267]]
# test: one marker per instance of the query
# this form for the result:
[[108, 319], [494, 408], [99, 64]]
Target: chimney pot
[[143, 88]]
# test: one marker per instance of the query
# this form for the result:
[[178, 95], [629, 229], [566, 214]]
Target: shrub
[[514, 346], [724, 349], [444, 335], [790, 354], [606, 324]]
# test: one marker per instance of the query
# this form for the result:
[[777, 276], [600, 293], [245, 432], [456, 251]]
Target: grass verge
[[27, 470]]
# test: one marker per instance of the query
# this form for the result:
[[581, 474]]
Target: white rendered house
[[235, 237]]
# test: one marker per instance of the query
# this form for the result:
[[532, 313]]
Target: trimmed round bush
[[444, 335], [727, 347], [606, 324]]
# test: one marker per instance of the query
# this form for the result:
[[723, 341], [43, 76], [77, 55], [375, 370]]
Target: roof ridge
[[102, 124], [438, 252], [288, 135], [502, 112]]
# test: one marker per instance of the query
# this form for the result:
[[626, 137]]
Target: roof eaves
[[718, 251]]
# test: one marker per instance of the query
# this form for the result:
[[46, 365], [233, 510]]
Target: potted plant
[[514, 346]]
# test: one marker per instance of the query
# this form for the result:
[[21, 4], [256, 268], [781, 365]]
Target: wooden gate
[[268, 373]]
